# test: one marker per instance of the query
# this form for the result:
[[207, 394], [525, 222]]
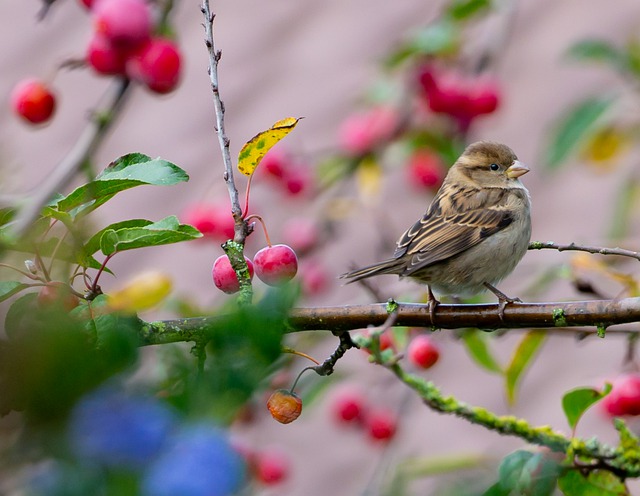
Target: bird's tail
[[391, 266]]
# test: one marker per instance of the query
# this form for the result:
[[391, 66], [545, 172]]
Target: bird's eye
[[494, 167]]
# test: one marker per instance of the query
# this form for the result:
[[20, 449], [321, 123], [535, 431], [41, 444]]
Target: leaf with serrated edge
[[257, 147], [522, 356]]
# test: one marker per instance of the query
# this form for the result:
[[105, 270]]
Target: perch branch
[[564, 317]]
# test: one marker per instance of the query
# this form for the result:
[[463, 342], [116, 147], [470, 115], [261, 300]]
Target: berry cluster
[[350, 407], [460, 96], [275, 265], [123, 44], [287, 173]]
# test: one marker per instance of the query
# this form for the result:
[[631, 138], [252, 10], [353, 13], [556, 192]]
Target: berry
[[224, 277], [349, 406], [198, 461], [422, 352], [33, 100], [212, 220], [285, 406], [125, 23], [624, 398], [314, 278], [301, 233], [58, 293], [157, 65], [297, 180], [381, 425], [425, 170], [275, 163], [87, 3], [271, 467], [275, 265], [114, 429], [104, 58], [361, 133]]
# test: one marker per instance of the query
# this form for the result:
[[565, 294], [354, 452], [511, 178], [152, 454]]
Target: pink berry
[[87, 3], [157, 65], [349, 406], [361, 133], [104, 58], [301, 233], [297, 180], [314, 278], [381, 425], [212, 220], [224, 277], [271, 466], [33, 100], [624, 398], [275, 265], [275, 163], [125, 23], [422, 352], [425, 170]]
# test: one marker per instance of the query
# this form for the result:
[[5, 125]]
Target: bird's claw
[[432, 303], [503, 300]]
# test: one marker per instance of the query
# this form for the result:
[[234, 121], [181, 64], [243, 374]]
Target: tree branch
[[560, 316], [82, 151], [550, 245]]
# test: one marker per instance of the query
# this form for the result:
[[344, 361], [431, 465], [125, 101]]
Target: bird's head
[[489, 164]]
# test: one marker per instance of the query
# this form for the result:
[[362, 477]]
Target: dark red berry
[[33, 100]]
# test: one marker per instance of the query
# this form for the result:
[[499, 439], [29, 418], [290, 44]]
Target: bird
[[474, 233]]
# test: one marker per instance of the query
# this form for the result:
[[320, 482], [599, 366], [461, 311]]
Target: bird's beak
[[517, 169]]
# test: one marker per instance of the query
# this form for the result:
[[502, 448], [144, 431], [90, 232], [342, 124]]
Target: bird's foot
[[503, 299], [432, 303]]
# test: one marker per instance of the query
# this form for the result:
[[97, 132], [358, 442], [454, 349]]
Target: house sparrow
[[473, 234]]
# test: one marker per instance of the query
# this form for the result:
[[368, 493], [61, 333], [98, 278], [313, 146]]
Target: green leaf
[[463, 9], [128, 171], [525, 472], [577, 401], [93, 244], [596, 51], [574, 127], [478, 347], [434, 39], [164, 232], [9, 288], [597, 483], [522, 356]]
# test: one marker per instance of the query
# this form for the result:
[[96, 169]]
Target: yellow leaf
[[257, 147], [142, 292], [604, 146], [369, 179]]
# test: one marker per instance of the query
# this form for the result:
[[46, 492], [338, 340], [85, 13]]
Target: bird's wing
[[458, 219]]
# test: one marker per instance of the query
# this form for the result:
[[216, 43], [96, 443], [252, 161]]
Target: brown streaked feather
[[451, 226]]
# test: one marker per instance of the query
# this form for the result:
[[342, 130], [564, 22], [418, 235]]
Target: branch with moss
[[623, 460]]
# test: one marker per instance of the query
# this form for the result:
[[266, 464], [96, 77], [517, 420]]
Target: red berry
[[87, 3], [275, 163], [284, 406], [58, 293], [296, 181], [104, 58], [381, 425], [271, 467], [224, 277], [212, 220], [349, 406], [422, 352], [301, 233], [157, 65], [33, 100], [125, 23], [275, 265], [425, 170], [624, 398]]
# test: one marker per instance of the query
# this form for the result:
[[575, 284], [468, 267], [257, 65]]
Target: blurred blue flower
[[198, 461], [118, 430]]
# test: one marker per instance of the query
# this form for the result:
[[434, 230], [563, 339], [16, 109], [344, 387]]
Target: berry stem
[[295, 383], [246, 198], [264, 227]]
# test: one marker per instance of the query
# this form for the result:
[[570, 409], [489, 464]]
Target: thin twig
[[214, 58], [85, 147], [598, 250]]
